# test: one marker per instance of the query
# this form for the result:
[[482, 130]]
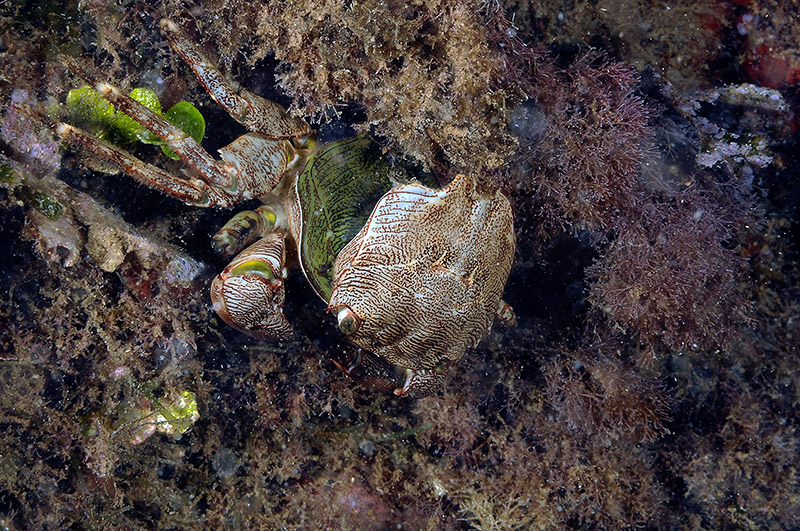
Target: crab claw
[[376, 373], [368, 369], [249, 293], [422, 382]]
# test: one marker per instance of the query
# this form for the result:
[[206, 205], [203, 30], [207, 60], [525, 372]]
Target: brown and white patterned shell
[[425, 275]]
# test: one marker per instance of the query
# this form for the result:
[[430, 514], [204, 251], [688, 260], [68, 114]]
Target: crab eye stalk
[[348, 322]]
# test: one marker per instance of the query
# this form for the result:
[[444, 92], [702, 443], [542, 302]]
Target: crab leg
[[184, 145], [190, 191], [243, 229], [254, 112], [252, 165], [367, 369], [505, 314]]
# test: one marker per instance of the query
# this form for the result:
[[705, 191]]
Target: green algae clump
[[124, 129], [90, 111], [176, 414], [7, 174], [188, 119]]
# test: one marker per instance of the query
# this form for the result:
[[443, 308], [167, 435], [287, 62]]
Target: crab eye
[[348, 322]]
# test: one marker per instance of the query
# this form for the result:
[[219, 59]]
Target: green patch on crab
[[253, 268], [337, 190]]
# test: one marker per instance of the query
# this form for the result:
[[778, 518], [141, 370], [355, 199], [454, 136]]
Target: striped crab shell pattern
[[423, 279]]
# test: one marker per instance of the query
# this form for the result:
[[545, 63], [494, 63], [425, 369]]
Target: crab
[[413, 274]]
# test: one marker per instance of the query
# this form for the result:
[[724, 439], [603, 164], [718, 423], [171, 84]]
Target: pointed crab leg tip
[[103, 88], [63, 129], [168, 25]]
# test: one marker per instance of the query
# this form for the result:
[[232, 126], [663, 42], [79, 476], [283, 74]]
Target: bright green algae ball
[[188, 119], [89, 110]]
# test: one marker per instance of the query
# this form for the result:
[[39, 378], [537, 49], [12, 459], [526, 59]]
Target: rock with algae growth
[[65, 222], [47, 205], [7, 174], [172, 415]]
